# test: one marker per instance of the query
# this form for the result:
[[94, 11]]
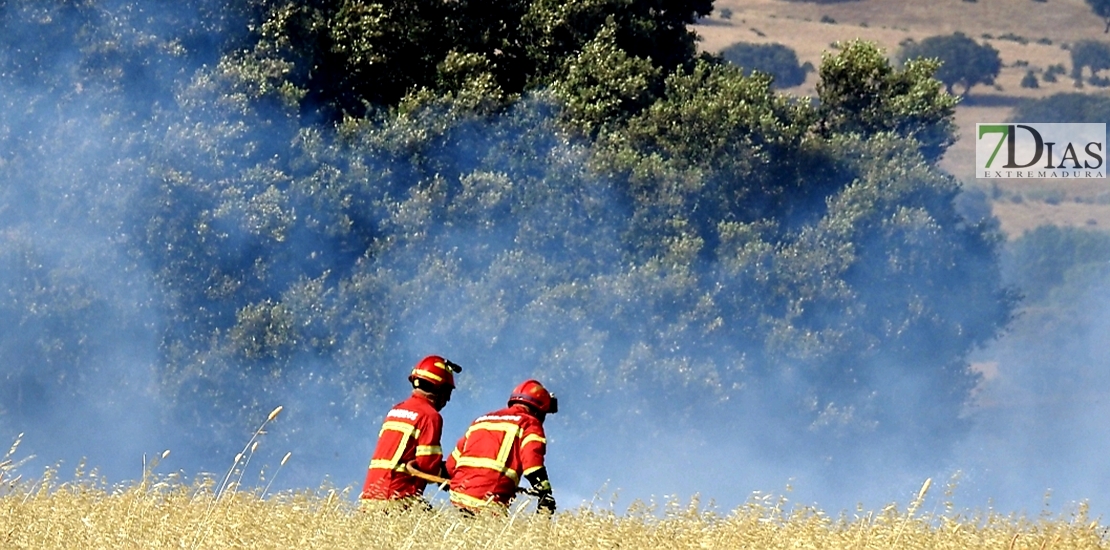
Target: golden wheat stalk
[[250, 442], [912, 509], [205, 524], [283, 461]]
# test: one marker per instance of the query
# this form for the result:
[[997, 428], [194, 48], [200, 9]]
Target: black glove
[[546, 504], [542, 489]]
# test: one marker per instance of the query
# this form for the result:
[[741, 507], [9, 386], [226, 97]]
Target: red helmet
[[531, 392], [435, 370]]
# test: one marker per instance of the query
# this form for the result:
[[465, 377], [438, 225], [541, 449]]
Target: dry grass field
[[1028, 35], [164, 513]]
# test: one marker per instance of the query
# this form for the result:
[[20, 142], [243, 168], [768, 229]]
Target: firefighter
[[501, 447], [411, 434]]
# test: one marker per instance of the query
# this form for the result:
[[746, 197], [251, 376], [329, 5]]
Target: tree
[[1064, 107], [861, 93], [963, 61], [573, 188], [350, 57], [603, 85], [1101, 9], [1090, 54], [776, 60], [1029, 80]]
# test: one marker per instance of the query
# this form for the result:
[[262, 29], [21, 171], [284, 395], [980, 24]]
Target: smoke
[[89, 299]]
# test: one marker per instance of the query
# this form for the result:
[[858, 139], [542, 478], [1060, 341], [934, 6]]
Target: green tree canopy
[[349, 56], [1090, 54], [861, 93], [1065, 107], [566, 190], [776, 60], [1101, 9], [963, 60]]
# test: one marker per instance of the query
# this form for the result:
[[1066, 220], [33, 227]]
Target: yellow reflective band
[[533, 437], [511, 432], [507, 445], [506, 427], [488, 463], [386, 464], [403, 427], [473, 502], [429, 374], [407, 431], [428, 450], [529, 471]]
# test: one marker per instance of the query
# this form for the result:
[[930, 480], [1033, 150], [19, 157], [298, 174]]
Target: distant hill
[[1029, 35]]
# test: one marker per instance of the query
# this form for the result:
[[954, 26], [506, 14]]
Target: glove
[[542, 488], [546, 504]]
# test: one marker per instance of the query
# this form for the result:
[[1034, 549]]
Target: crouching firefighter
[[501, 447], [410, 434]]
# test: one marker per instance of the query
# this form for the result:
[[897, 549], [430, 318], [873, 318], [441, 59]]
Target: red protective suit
[[411, 431], [497, 450]]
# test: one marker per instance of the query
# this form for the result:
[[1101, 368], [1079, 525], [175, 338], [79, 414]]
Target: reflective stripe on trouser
[[467, 501]]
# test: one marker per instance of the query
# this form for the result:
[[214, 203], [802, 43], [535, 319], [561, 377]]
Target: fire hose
[[444, 482]]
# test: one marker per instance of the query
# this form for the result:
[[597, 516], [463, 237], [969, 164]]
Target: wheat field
[[166, 514], [163, 512]]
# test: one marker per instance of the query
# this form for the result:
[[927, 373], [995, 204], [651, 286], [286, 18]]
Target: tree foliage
[[1101, 8], [565, 184], [350, 56], [963, 60], [777, 60], [1065, 107], [1090, 54], [861, 93]]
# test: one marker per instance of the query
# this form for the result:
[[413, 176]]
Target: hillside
[[1028, 34]]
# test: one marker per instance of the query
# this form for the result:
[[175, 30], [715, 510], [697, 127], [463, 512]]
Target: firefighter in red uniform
[[411, 434], [501, 447]]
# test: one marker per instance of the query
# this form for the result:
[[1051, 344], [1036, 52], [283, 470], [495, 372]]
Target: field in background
[[1028, 35], [163, 513]]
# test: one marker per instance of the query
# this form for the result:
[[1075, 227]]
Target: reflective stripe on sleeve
[[429, 450], [529, 471], [533, 438]]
